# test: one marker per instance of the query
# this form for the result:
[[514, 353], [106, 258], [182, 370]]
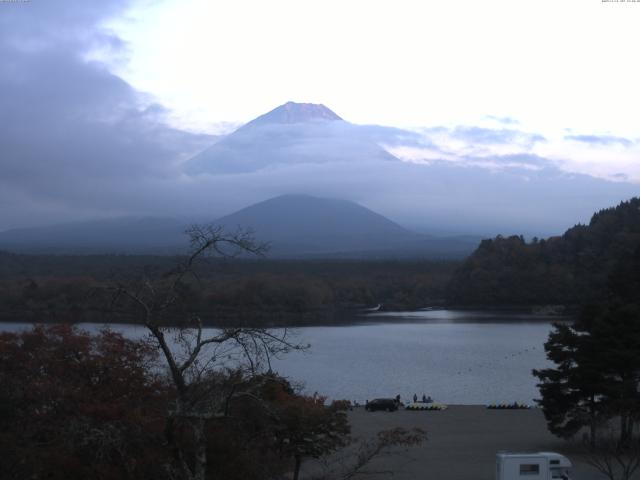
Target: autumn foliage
[[78, 406], [73, 405]]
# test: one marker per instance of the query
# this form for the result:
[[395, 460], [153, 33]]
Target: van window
[[529, 469]]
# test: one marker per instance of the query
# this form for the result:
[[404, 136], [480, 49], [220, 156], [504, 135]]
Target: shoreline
[[332, 318]]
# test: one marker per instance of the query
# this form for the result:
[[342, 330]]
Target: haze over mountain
[[83, 141], [131, 164], [294, 225], [309, 148], [150, 235], [302, 225]]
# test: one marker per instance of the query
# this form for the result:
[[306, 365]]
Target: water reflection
[[431, 315]]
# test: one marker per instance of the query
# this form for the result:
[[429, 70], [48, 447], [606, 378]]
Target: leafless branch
[[191, 365]]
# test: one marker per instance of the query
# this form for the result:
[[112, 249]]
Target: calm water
[[458, 357]]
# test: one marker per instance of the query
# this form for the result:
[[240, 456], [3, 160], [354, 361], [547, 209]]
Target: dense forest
[[568, 270], [78, 288]]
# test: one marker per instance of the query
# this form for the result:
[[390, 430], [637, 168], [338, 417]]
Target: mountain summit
[[291, 134], [292, 112], [306, 226]]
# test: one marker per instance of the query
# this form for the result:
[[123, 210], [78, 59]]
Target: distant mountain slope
[[302, 225], [570, 269], [118, 235], [291, 134], [427, 180], [296, 226]]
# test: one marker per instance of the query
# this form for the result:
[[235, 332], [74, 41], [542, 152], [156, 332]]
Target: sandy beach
[[462, 441]]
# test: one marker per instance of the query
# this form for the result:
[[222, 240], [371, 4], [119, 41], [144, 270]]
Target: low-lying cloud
[[72, 131], [79, 142], [603, 156], [600, 140]]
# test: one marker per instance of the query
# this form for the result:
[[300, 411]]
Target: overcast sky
[[548, 64], [566, 69], [102, 102]]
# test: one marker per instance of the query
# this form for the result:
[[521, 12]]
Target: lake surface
[[458, 357]]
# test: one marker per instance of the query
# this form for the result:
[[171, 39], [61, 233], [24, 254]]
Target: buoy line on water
[[509, 406], [425, 406]]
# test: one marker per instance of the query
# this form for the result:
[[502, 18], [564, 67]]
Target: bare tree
[[194, 355], [357, 461], [614, 458]]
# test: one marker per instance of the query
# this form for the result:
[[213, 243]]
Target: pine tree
[[597, 358], [572, 393]]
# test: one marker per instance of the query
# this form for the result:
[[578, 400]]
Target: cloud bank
[[75, 137], [603, 156], [79, 142]]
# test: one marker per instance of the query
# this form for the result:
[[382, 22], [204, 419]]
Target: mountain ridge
[[301, 225], [296, 225]]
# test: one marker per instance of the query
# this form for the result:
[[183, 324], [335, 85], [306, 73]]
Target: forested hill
[[569, 270]]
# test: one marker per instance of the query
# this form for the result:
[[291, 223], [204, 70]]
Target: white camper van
[[532, 466]]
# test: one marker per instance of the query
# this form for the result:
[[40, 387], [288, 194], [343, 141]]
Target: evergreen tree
[[597, 373], [572, 393]]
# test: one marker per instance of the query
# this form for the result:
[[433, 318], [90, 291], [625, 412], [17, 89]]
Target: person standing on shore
[[415, 397]]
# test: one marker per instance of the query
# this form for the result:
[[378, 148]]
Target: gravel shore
[[462, 441]]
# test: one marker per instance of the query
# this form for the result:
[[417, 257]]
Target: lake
[[457, 357]]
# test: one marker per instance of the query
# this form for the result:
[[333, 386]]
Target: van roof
[[562, 461]]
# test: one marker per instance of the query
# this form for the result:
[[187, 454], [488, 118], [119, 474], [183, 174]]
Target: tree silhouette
[[194, 355]]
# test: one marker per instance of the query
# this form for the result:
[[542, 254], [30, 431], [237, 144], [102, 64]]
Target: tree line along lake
[[454, 356]]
